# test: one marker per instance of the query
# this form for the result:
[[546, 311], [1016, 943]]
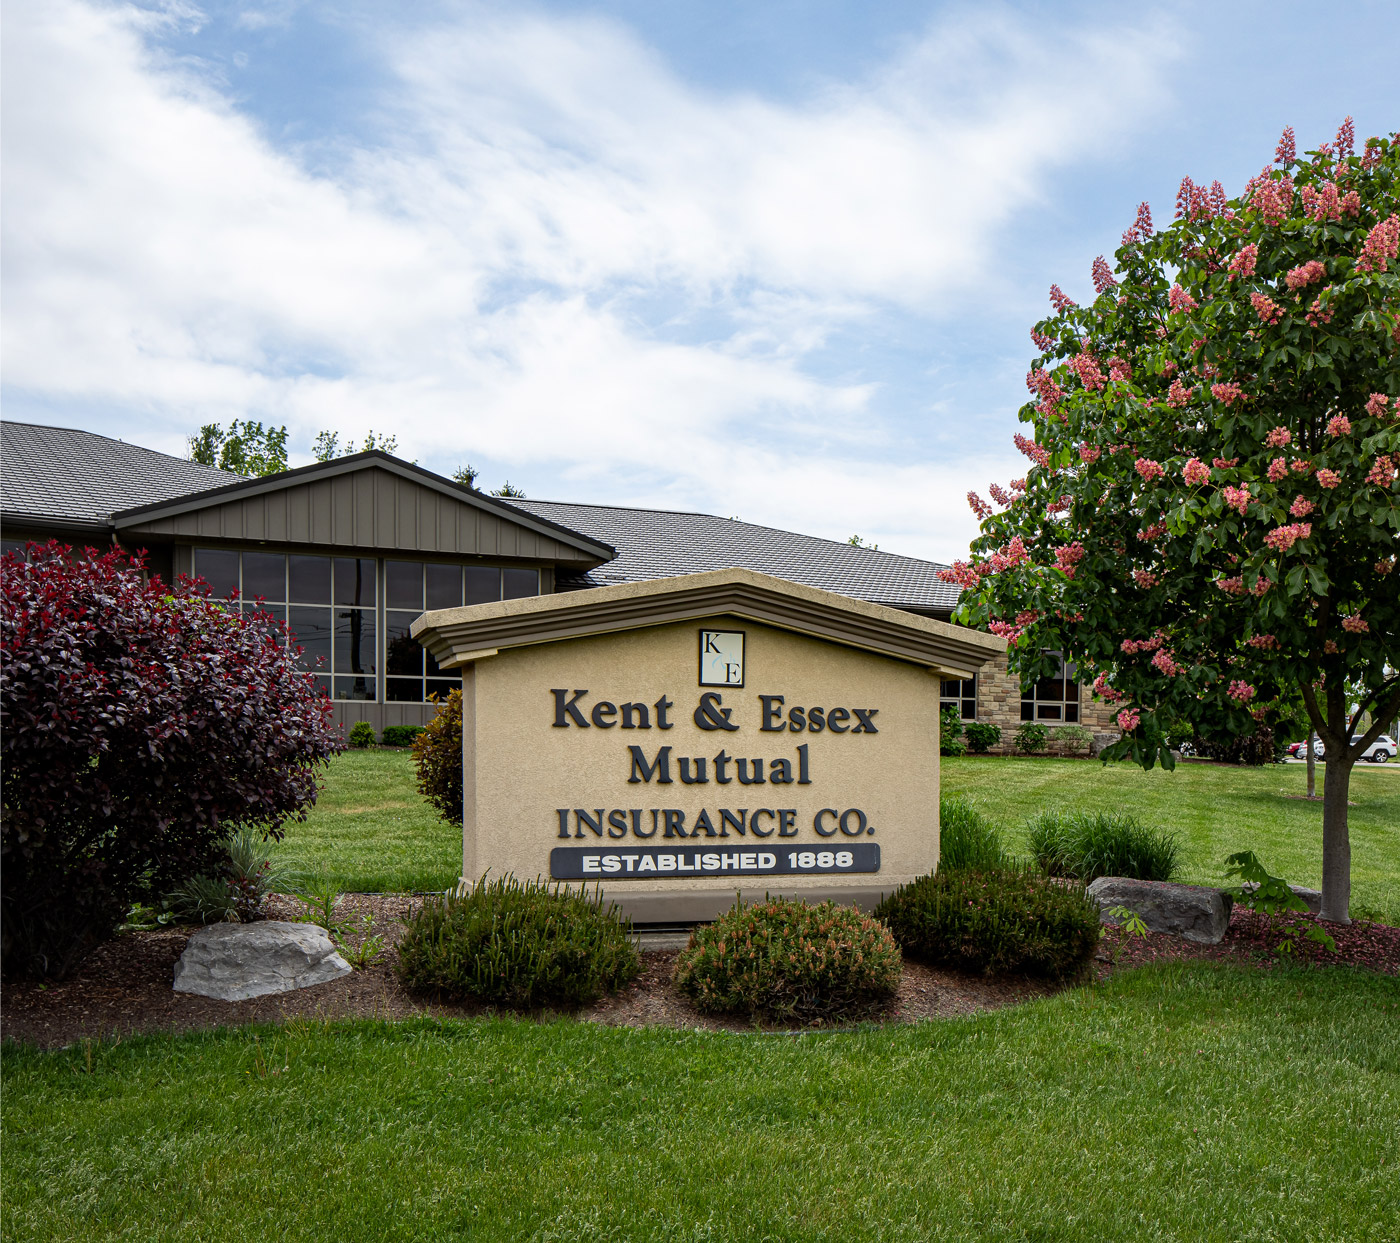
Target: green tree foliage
[[326, 447], [1210, 518], [246, 448]]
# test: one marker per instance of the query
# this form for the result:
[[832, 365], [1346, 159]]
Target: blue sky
[[769, 260]]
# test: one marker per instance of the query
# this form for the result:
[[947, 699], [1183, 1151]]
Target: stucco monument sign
[[682, 740]]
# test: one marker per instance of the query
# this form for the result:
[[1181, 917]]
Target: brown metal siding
[[369, 509]]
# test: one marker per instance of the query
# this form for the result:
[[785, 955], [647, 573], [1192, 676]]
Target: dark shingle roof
[[660, 543], [59, 474]]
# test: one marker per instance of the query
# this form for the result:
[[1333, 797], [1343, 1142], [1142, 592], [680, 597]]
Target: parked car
[[1297, 750], [1382, 751]]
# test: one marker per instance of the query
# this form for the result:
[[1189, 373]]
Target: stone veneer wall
[[999, 703]]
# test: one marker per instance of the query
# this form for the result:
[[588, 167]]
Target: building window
[[960, 693], [336, 612], [1054, 698]]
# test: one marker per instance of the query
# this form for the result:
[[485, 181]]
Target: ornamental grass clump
[[519, 944], [1009, 922], [1087, 845], [967, 839], [790, 962]]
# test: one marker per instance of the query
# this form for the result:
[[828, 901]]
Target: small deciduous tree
[[141, 726], [246, 448], [1209, 522]]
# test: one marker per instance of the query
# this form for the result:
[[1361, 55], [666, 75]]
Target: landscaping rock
[[1313, 897], [1194, 912], [233, 962]]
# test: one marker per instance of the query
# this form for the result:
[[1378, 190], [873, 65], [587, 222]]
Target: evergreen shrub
[[788, 961], [1031, 738], [361, 735], [1087, 845], [966, 838], [437, 755], [981, 736], [520, 944], [1006, 922], [400, 735]]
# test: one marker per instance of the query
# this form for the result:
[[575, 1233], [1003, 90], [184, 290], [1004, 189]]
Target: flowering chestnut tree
[[1210, 519], [140, 727]]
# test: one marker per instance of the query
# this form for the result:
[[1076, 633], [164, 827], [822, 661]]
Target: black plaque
[[661, 863]]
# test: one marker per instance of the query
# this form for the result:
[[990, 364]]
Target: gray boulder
[[233, 962], [1194, 912]]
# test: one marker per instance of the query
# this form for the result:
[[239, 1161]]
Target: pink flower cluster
[[1149, 469], [1279, 438], [1231, 586], [1120, 370], [1032, 450], [1354, 623], [1376, 405], [1050, 393], [1301, 506], [1089, 453], [1271, 197], [1142, 226], [960, 574], [1000, 495], [1145, 579], [1283, 538], [1328, 478], [1224, 463], [1382, 472], [1179, 300], [1266, 308], [1227, 393], [1178, 395], [1129, 719], [1382, 245], [1165, 662], [1134, 646], [1384, 567], [1300, 466], [1346, 139], [1241, 692], [1319, 314], [1058, 299], [1237, 498], [1086, 367], [1153, 532], [1040, 340], [1105, 692], [1069, 556], [1265, 641], [978, 505], [1305, 274], [1008, 558], [1244, 261], [1197, 203], [1103, 275], [1339, 425], [1278, 469], [1324, 204], [1195, 473], [1287, 150]]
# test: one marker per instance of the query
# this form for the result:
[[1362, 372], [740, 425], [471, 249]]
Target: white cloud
[[561, 257]]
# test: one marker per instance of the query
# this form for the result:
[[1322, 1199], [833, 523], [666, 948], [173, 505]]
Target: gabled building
[[349, 552]]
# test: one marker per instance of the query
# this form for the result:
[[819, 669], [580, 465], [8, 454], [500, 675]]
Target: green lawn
[[1197, 1103], [1215, 810], [371, 831]]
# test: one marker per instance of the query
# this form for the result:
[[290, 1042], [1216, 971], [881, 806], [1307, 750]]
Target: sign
[[721, 658], [798, 756]]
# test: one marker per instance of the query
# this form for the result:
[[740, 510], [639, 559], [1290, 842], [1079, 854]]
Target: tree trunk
[[1336, 839], [1312, 764]]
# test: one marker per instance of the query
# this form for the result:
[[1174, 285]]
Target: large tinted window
[[265, 576], [219, 568], [518, 583]]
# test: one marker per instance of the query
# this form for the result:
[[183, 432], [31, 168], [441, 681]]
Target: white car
[[1381, 751]]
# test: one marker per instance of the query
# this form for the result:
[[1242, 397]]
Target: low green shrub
[[1074, 739], [236, 891], [400, 735], [437, 757], [361, 734], [981, 737], [950, 733], [521, 944], [1004, 922], [1087, 845], [1031, 738], [966, 838], [789, 961]]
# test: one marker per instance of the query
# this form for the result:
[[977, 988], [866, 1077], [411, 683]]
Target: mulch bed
[[124, 987]]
